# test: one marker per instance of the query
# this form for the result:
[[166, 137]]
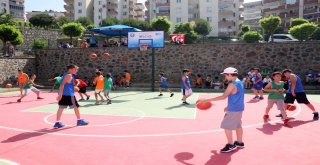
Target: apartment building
[[230, 17], [13, 7], [252, 13], [178, 11], [311, 10], [55, 14], [97, 10], [4, 6]]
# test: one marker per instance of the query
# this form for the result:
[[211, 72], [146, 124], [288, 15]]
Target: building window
[[124, 13], [209, 9], [178, 10], [178, 19], [79, 3], [178, 1], [209, 19], [79, 11], [209, 0], [99, 2]]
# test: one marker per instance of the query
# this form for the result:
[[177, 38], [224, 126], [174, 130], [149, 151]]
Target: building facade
[[13, 7], [252, 13], [4, 6], [97, 10], [311, 10]]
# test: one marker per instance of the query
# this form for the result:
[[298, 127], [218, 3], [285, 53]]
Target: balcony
[[226, 13], [226, 23], [310, 11], [311, 2], [162, 4], [69, 1]]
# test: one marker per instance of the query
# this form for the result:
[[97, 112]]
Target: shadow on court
[[220, 158], [28, 135], [182, 157], [269, 129], [181, 105], [156, 98], [104, 103]]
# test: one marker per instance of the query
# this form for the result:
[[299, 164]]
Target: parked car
[[283, 38]]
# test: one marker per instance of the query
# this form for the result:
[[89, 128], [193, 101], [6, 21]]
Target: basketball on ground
[[291, 107], [93, 56], [8, 85], [203, 105]]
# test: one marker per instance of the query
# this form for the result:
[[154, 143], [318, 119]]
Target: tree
[[62, 20], [10, 33], [40, 44], [297, 21], [202, 27], [182, 28], [144, 25], [91, 26], [109, 22], [73, 29], [270, 24], [161, 23], [316, 34], [18, 40], [130, 22], [244, 29], [252, 37], [7, 19], [42, 20], [191, 37], [303, 31], [84, 21]]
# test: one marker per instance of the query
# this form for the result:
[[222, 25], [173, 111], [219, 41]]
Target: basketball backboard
[[154, 39]]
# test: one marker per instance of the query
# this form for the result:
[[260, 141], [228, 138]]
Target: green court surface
[[136, 104]]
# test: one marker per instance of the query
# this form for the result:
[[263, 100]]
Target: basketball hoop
[[144, 47]]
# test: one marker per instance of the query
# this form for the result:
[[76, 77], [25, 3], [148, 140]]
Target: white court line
[[90, 125], [7, 162], [141, 135]]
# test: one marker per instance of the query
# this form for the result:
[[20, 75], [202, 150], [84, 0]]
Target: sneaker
[[256, 97], [88, 97], [279, 115], [58, 125], [228, 148], [238, 144], [266, 117], [81, 122], [185, 103], [286, 121], [39, 98], [108, 101], [19, 100], [160, 94], [80, 99], [261, 98], [315, 116], [171, 94]]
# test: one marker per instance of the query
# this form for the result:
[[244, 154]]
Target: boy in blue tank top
[[185, 86], [296, 92], [164, 85], [232, 119], [66, 97]]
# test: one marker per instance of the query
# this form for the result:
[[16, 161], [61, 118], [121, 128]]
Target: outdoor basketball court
[[140, 128]]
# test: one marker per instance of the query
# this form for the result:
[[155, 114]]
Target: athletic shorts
[[83, 90], [232, 120], [186, 92], [98, 91], [106, 92], [278, 102], [35, 90], [164, 86], [68, 101], [300, 97], [21, 85], [258, 86]]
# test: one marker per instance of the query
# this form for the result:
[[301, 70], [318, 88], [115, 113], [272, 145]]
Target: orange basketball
[[291, 107], [203, 105], [8, 85], [106, 55], [93, 56]]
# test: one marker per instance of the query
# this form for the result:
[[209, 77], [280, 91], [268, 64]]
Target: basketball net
[[144, 47]]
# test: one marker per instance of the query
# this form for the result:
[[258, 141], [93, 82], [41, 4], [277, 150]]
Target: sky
[[57, 5]]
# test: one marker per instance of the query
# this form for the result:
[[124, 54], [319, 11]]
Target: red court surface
[[27, 139]]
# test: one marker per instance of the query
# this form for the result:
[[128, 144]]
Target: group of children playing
[[69, 84]]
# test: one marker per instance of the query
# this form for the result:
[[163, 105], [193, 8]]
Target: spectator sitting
[[310, 77], [93, 41], [318, 78], [264, 73], [199, 81], [266, 80], [208, 81], [84, 44], [246, 82]]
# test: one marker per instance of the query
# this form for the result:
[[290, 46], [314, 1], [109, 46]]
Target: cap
[[230, 70]]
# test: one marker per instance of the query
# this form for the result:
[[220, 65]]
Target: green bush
[[303, 31], [191, 37], [316, 34], [252, 37], [40, 44]]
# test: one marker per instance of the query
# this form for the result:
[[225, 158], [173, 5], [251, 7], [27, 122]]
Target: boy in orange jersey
[[99, 83], [22, 80]]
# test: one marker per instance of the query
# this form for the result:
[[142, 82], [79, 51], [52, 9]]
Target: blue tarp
[[115, 30]]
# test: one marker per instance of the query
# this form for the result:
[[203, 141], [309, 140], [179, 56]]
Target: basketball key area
[[143, 128]]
